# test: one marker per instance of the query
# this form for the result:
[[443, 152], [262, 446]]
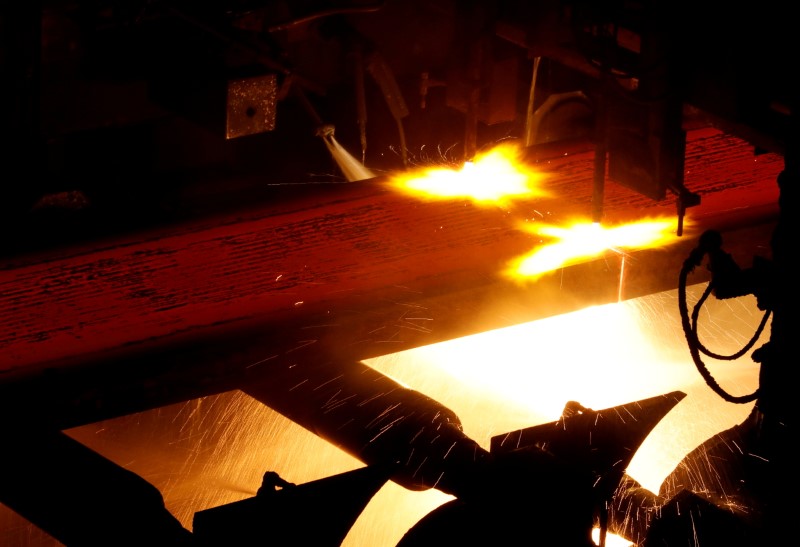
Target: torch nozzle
[[326, 131]]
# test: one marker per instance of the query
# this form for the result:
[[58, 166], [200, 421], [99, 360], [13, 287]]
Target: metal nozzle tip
[[325, 131]]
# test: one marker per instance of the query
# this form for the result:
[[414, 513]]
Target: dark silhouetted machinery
[[174, 227]]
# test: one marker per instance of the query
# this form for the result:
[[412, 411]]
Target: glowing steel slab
[[346, 270]]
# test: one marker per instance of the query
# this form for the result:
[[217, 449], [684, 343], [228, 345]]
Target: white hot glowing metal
[[496, 177], [581, 241], [499, 177], [212, 451]]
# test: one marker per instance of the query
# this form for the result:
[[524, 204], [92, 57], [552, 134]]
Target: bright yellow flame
[[496, 177], [612, 540], [584, 240]]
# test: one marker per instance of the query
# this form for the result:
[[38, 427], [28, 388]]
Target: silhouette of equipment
[[270, 483], [550, 483], [719, 493], [318, 513], [690, 515], [698, 500], [375, 419], [729, 280], [80, 497]]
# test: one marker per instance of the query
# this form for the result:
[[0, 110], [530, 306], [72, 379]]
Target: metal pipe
[[78, 496], [375, 419], [530, 129], [600, 152]]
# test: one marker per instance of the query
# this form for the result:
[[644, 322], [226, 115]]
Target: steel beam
[[337, 272]]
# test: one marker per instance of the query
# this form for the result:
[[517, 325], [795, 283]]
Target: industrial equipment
[[198, 201]]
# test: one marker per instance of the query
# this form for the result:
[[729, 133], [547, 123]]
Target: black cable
[[689, 329], [709, 353]]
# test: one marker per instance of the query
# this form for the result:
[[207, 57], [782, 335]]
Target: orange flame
[[584, 240], [496, 177], [500, 176]]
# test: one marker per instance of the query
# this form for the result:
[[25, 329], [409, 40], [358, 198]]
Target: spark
[[582, 241], [260, 361], [370, 399], [298, 385], [419, 467], [386, 412], [417, 328], [386, 428], [496, 177], [325, 383], [301, 345], [334, 401]]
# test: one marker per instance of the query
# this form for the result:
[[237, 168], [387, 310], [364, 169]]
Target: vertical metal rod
[[473, 100], [530, 137], [383, 75], [301, 96], [361, 101], [601, 146]]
